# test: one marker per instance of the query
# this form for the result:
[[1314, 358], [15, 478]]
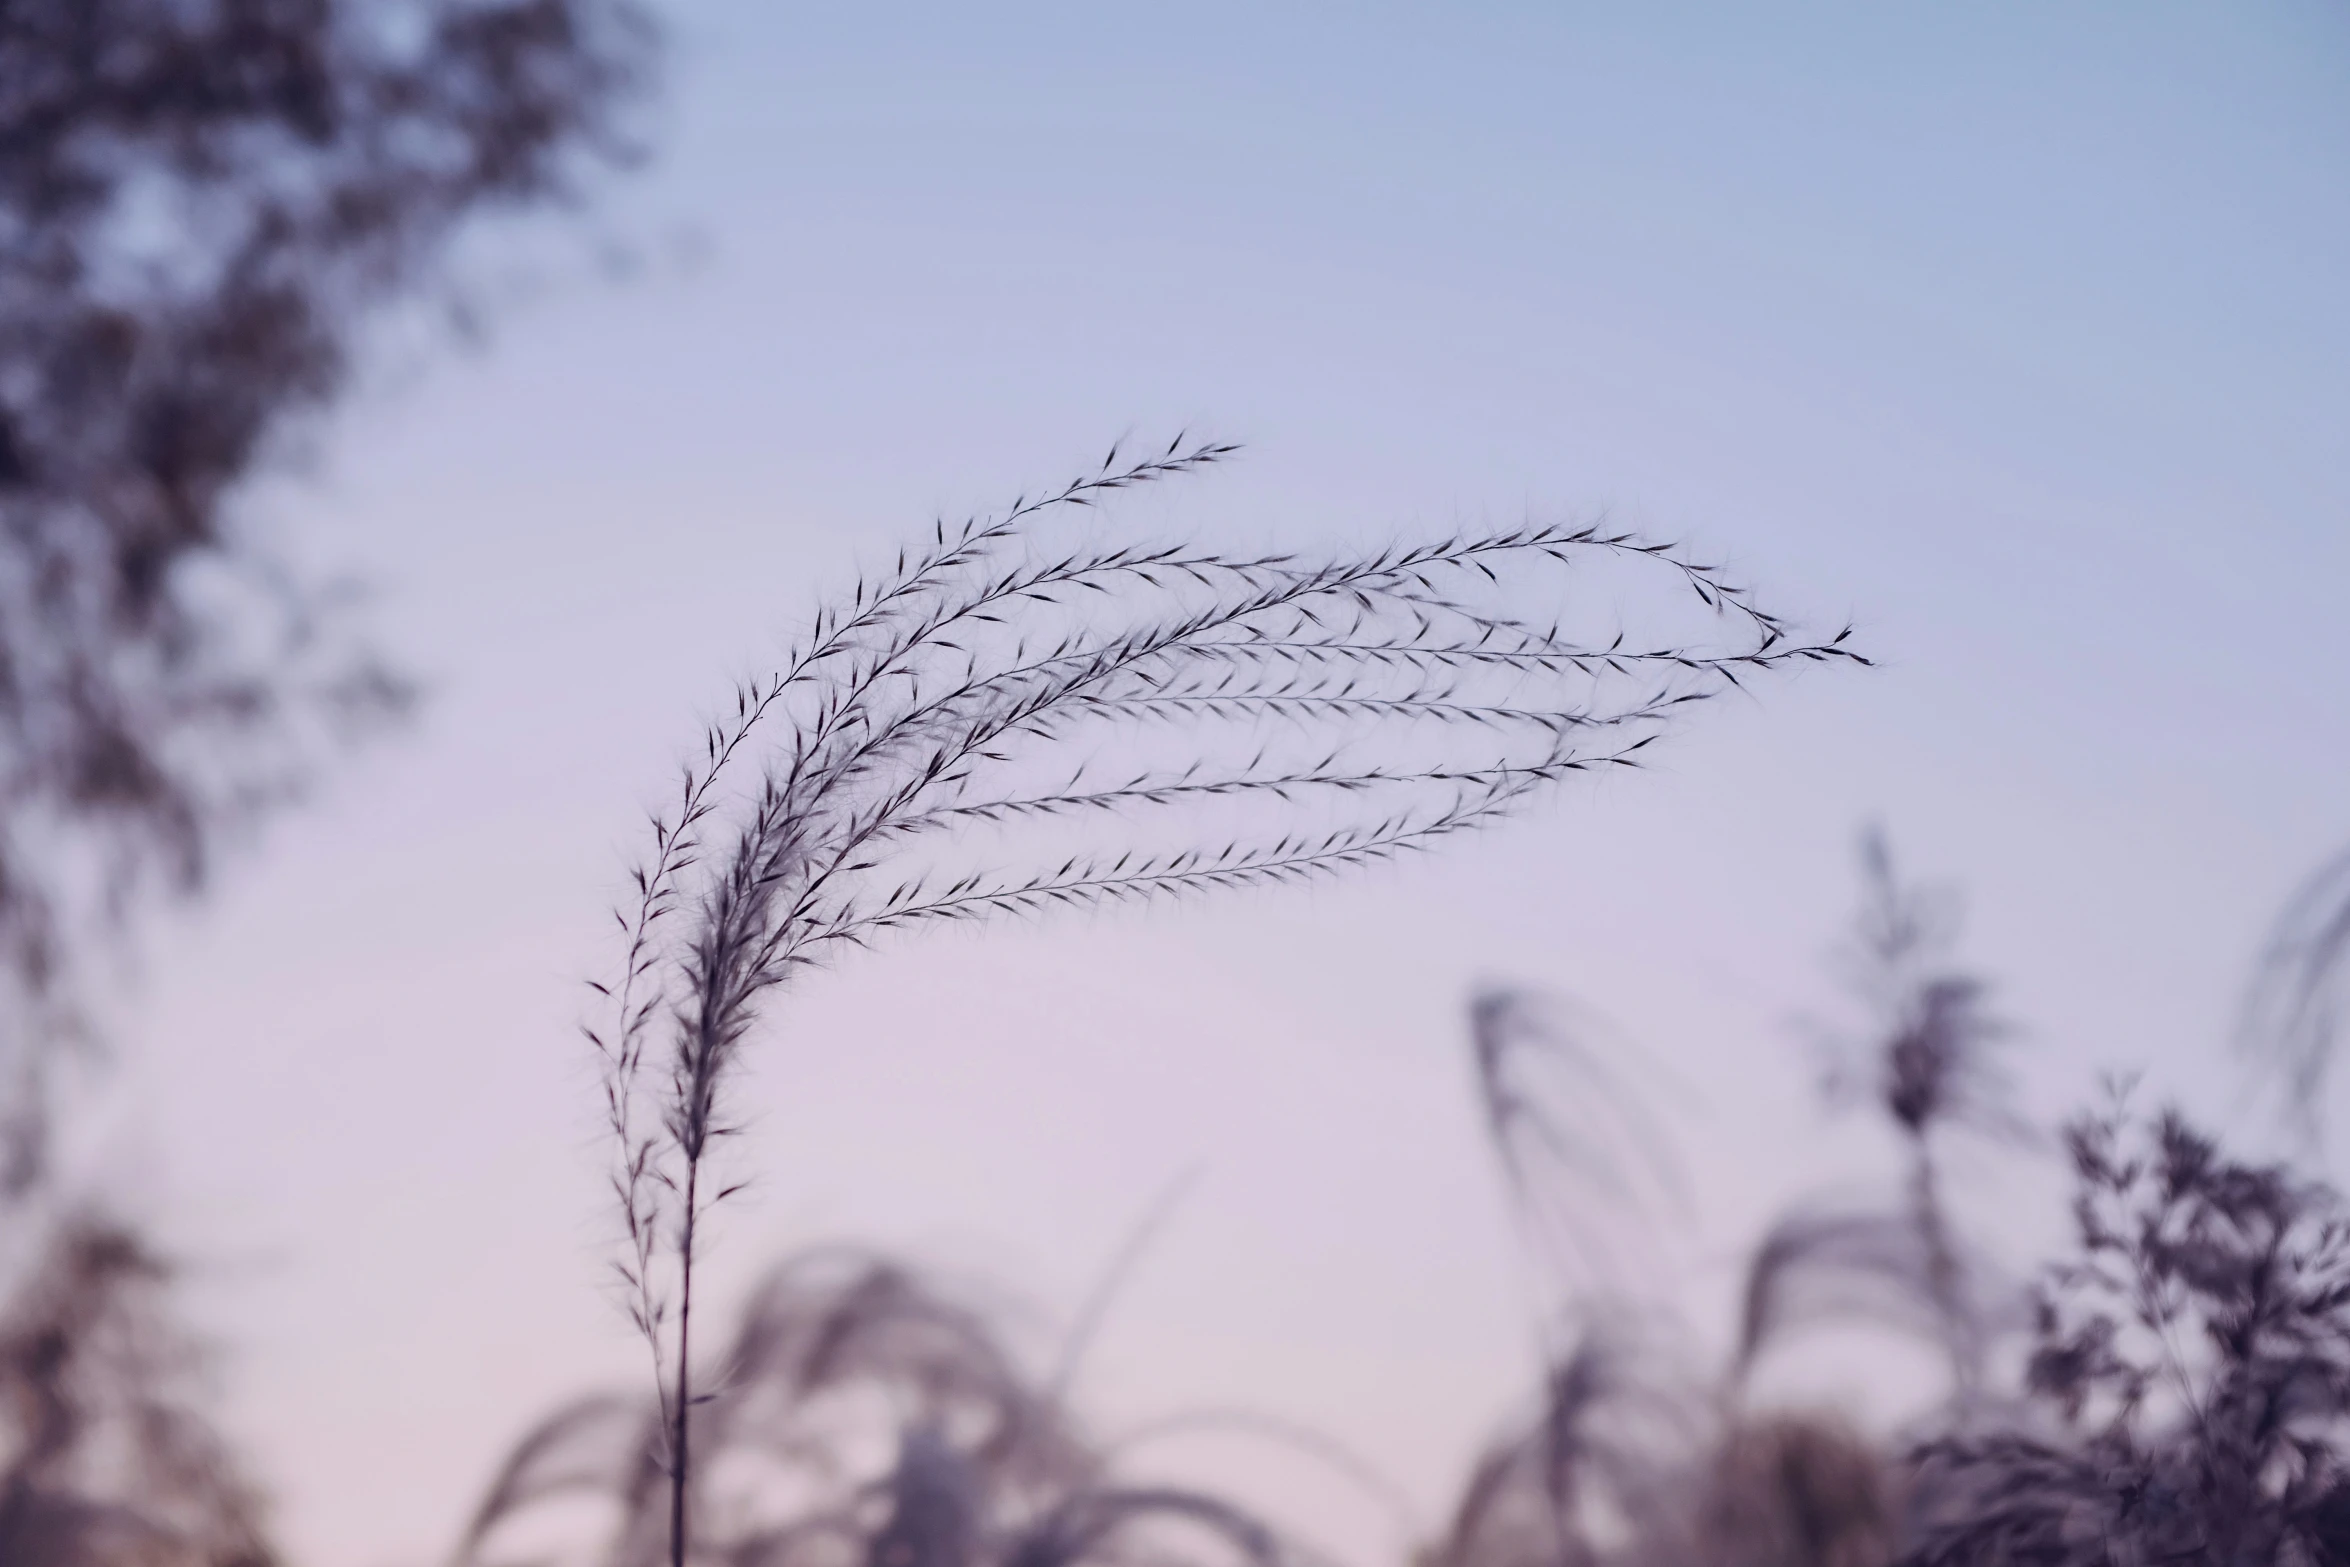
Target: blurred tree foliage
[[201, 204], [200, 201], [111, 1459]]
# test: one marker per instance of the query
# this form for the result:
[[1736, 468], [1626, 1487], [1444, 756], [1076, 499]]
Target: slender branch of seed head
[[1283, 786], [1469, 552], [1580, 660], [935, 573], [1236, 866], [930, 573], [1313, 706]]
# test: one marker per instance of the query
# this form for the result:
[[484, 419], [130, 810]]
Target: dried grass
[[1023, 715]]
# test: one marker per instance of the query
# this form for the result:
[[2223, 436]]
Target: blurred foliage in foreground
[[2176, 1388], [202, 204]]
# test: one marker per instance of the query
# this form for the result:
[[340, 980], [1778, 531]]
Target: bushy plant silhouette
[[2192, 1373]]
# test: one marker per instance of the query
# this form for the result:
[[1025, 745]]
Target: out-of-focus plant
[[1928, 1063], [2298, 1006], [1630, 1456], [863, 1416], [106, 1456], [1639, 1459], [2191, 1375], [200, 203], [1026, 714], [1793, 1490], [1576, 1139], [1601, 1467]]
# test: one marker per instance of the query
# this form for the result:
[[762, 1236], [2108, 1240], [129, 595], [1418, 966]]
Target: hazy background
[[2016, 333]]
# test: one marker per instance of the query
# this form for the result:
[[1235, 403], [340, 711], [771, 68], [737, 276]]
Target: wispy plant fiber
[[1031, 711]]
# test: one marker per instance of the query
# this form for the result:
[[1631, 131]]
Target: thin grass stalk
[[1962, 1336], [680, 1459]]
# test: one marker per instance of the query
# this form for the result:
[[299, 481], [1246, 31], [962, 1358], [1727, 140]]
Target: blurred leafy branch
[[202, 202], [202, 205]]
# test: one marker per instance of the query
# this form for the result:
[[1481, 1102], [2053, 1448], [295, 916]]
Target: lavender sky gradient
[[2015, 332]]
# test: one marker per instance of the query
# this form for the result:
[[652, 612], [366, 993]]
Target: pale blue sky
[[2015, 332]]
